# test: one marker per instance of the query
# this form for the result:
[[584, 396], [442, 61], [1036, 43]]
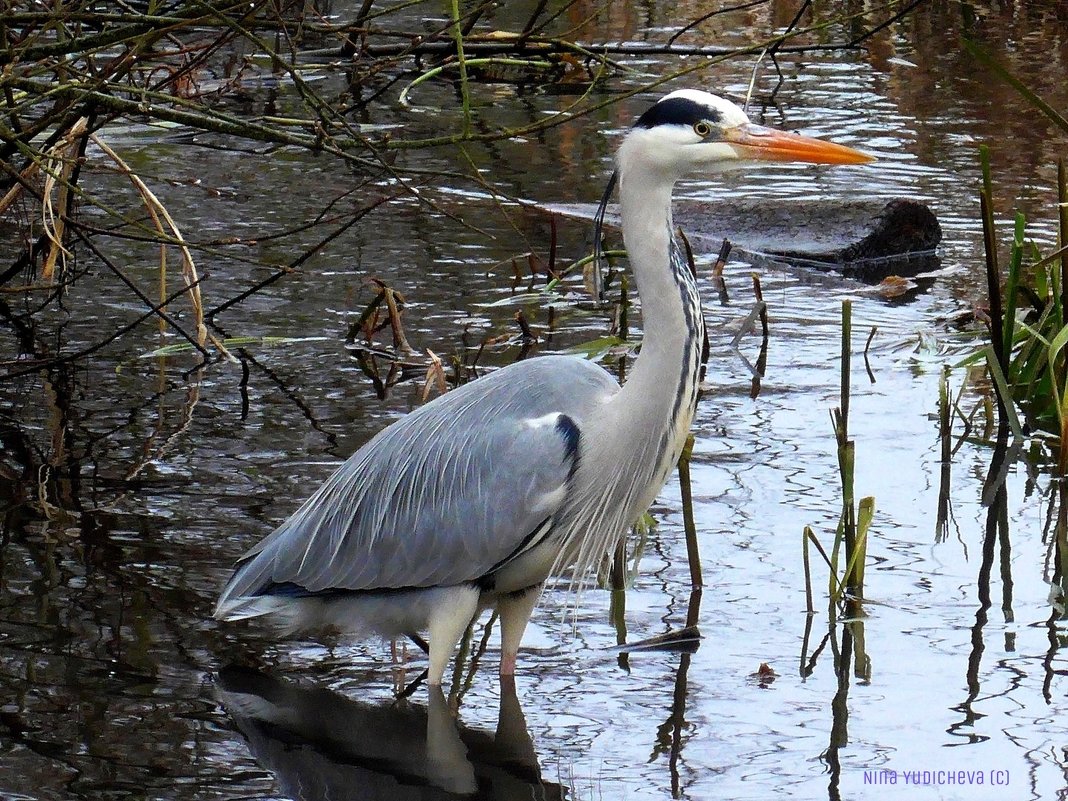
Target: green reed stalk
[[693, 554]]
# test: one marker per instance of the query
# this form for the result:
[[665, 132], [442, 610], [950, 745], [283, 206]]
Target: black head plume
[[598, 226], [677, 111]]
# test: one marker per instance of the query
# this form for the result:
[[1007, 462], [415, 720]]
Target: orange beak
[[767, 144]]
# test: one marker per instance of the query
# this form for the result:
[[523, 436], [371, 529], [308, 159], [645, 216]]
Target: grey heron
[[474, 499]]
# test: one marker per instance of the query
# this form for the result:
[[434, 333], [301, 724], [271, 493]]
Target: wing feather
[[440, 497]]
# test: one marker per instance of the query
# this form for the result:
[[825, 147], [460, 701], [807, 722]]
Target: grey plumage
[[446, 495], [476, 498]]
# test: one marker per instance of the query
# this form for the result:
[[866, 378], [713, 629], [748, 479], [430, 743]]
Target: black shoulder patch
[[676, 111], [569, 430]]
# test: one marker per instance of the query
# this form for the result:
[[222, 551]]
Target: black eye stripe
[[677, 111]]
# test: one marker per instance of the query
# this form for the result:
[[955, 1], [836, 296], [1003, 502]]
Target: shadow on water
[[320, 744]]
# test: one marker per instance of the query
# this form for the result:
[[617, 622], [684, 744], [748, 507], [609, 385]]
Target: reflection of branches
[[807, 664], [81, 354], [887, 23], [689, 26], [850, 660], [296, 264], [397, 371], [150, 454], [306, 410], [1059, 582], [772, 52], [997, 530], [156, 309], [669, 734], [839, 708]]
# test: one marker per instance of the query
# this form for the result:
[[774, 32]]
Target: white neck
[[647, 421], [648, 236]]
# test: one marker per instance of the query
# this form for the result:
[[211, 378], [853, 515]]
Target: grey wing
[[443, 496]]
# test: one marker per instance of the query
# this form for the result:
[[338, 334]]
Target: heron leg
[[447, 624], [515, 610]]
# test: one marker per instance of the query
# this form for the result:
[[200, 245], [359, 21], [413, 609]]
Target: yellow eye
[[702, 129]]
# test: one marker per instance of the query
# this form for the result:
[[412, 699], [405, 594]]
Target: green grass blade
[[1002, 387]]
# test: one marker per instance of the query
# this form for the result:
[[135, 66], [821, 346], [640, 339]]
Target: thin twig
[[81, 354]]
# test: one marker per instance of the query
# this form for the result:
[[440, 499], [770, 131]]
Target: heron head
[[690, 131], [693, 131]]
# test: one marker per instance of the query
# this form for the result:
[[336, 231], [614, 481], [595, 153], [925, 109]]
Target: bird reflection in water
[[320, 744]]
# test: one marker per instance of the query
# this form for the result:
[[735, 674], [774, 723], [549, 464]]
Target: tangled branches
[[272, 75]]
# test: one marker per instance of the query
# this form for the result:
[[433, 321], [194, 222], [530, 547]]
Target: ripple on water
[[106, 647]]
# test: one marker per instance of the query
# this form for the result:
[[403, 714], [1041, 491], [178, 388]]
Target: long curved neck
[[665, 286], [656, 404], [641, 430]]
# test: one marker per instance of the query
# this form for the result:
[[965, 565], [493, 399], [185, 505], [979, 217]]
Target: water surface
[[158, 478]]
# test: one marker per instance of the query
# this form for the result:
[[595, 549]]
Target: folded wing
[[441, 497]]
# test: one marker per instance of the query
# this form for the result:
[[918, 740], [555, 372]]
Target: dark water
[[146, 480]]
